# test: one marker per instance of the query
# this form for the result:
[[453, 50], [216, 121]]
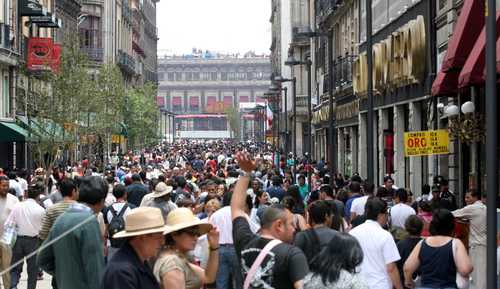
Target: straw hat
[[142, 221], [183, 218], [161, 190]]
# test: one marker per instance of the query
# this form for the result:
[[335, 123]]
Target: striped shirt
[[50, 217]]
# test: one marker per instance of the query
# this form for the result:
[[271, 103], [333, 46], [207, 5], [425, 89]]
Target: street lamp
[[279, 79], [291, 61]]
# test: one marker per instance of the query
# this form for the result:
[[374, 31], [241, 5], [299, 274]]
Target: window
[[205, 76], [177, 103], [196, 76], [171, 76], [213, 76], [194, 103], [223, 76], [178, 76], [189, 76]]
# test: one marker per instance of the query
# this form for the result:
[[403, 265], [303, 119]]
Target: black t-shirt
[[281, 268], [405, 247], [311, 241]]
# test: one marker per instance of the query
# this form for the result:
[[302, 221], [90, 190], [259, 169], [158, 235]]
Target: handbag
[[462, 282], [260, 258], [9, 235]]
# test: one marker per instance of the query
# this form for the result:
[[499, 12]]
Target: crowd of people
[[233, 215]]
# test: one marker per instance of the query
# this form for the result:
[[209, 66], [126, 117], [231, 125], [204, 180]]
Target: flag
[[269, 113]]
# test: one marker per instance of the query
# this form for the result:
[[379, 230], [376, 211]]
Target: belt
[[226, 245], [27, 237]]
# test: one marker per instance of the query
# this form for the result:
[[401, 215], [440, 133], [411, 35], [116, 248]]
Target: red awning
[[177, 100], [445, 83], [193, 101], [473, 71], [160, 101], [228, 100], [248, 116], [243, 98], [259, 99], [211, 100], [467, 29]]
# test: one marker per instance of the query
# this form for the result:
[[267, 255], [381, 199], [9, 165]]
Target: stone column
[[354, 149], [416, 162], [383, 123], [341, 150], [362, 167], [399, 151]]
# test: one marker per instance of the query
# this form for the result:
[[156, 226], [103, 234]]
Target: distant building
[[199, 88]]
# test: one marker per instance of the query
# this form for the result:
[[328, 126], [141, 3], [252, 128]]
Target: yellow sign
[[423, 143]]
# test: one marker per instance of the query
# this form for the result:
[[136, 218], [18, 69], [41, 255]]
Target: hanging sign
[[424, 143]]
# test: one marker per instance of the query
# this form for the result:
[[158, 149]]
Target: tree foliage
[[141, 116], [233, 116]]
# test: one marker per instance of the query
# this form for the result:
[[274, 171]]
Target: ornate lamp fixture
[[468, 127]]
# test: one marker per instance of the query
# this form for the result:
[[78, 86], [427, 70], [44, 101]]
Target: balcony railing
[[342, 69], [93, 53], [126, 62]]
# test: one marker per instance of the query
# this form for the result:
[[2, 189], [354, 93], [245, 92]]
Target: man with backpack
[[115, 218]]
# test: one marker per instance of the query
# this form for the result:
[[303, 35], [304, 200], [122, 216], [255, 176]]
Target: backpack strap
[[123, 210], [260, 258], [113, 211]]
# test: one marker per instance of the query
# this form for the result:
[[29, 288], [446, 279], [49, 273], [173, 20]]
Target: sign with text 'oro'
[[429, 142]]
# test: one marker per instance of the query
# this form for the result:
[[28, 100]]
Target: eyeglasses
[[191, 232]]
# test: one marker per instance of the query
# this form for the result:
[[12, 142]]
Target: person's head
[[319, 213], [144, 228], [326, 192], [442, 224], [221, 190], [68, 188], [376, 210], [343, 252], [424, 206], [183, 230], [472, 196], [136, 178], [211, 188], [277, 220], [4, 186], [276, 180], [444, 185], [92, 191], [211, 206], [435, 192], [294, 192], [368, 188], [256, 185], [35, 190], [354, 188], [301, 180], [261, 198], [388, 182], [119, 192], [414, 226], [401, 196]]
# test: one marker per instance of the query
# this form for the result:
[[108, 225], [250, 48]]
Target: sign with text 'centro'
[[423, 143]]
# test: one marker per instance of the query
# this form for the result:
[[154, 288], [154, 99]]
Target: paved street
[[41, 284]]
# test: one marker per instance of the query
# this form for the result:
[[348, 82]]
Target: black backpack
[[116, 225]]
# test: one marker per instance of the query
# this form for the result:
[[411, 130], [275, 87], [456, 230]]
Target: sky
[[226, 26]]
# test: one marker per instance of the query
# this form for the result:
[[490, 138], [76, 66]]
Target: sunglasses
[[191, 232]]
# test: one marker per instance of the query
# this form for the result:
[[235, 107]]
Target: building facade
[[200, 89]]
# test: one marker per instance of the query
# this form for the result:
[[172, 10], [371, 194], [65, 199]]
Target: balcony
[[93, 53], [342, 69], [324, 8], [125, 62], [297, 38]]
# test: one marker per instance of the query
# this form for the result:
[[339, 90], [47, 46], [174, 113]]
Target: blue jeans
[[229, 269]]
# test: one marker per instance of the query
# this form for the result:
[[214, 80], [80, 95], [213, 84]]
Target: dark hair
[[474, 193], [442, 223], [226, 198], [119, 191], [289, 203], [66, 187], [327, 189], [301, 177], [12, 175], [388, 178], [4, 179], [136, 178], [142, 174], [356, 178], [354, 187], [35, 190], [402, 195], [181, 181], [92, 190], [425, 206], [271, 214], [369, 188], [319, 212], [294, 192], [414, 225], [258, 195], [343, 252], [375, 207]]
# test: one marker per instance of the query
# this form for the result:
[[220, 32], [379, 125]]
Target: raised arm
[[238, 201]]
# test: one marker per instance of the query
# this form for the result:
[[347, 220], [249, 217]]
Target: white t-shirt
[[379, 250], [358, 205], [13, 184], [118, 207], [399, 213]]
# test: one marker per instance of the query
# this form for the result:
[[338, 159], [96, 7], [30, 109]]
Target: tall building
[[199, 90]]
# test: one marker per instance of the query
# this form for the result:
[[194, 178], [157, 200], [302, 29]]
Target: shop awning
[[467, 29], [445, 83], [193, 101], [10, 132], [473, 71], [176, 101], [244, 98]]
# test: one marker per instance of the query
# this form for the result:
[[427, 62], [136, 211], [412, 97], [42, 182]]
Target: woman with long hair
[[173, 268], [335, 265], [299, 222]]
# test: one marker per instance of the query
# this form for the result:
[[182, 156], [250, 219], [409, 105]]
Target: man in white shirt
[[379, 268], [14, 184], [228, 260], [358, 205], [7, 203], [27, 216], [400, 211]]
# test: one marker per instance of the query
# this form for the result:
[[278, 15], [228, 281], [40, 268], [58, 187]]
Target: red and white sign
[[40, 53]]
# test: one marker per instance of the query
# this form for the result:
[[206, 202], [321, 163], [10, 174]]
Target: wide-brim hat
[[161, 190], [183, 218], [142, 221]]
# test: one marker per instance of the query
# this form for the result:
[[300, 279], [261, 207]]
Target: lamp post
[[370, 115], [279, 80], [291, 61]]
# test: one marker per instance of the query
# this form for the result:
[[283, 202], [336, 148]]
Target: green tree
[[233, 116], [141, 116]]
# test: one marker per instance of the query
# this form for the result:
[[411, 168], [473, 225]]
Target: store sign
[[399, 60], [347, 111], [40, 54], [423, 143], [50, 20], [31, 8]]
